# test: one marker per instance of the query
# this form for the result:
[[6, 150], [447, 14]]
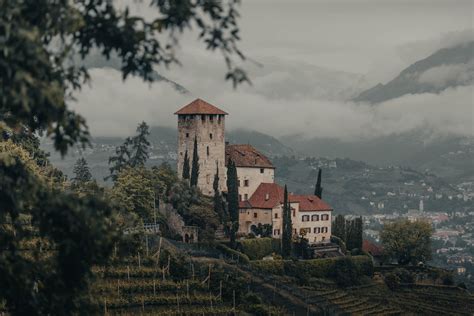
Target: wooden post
[[177, 300], [139, 263], [128, 272], [233, 301], [146, 241], [154, 287], [220, 290]]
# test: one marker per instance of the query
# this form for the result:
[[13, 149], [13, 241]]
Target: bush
[[257, 248], [340, 243], [447, 278], [242, 258], [404, 275], [392, 280], [315, 268], [345, 272]]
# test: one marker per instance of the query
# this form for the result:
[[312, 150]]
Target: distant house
[[376, 251]]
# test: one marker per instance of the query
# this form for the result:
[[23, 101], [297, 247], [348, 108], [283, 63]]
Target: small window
[[316, 230], [207, 150], [276, 215], [323, 239], [255, 215], [238, 183], [203, 118], [187, 135], [305, 218], [210, 135], [246, 183], [276, 232], [315, 218], [262, 170], [294, 214], [240, 197], [211, 118], [246, 197]]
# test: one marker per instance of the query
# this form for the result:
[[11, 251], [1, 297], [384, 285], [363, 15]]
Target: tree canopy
[[407, 242]]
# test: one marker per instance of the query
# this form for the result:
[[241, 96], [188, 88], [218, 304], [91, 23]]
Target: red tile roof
[[246, 156], [199, 106], [372, 248], [310, 203], [269, 195]]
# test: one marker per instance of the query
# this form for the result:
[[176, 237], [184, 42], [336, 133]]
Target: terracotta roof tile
[[246, 156], [372, 248], [310, 203], [269, 195], [199, 106]]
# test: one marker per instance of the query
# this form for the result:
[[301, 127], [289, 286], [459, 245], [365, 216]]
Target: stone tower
[[207, 123]]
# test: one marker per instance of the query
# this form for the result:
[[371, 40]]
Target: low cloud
[[444, 75], [113, 108]]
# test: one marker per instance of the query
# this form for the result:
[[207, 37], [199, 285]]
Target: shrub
[[276, 267], [257, 248], [447, 278], [242, 258], [392, 280], [404, 275], [345, 272]]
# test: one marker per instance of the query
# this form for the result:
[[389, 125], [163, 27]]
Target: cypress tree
[[81, 171], [358, 232], [232, 200], [195, 165], [218, 207], [287, 230], [141, 146], [186, 166], [349, 234], [318, 190], [339, 228]]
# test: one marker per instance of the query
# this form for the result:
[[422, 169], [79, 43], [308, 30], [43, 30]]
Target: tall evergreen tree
[[140, 146], [339, 227], [287, 231], [81, 171], [358, 232], [186, 166], [349, 234], [217, 200], [318, 190], [232, 200], [195, 166], [120, 160]]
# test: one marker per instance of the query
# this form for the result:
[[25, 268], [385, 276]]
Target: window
[[203, 118], [315, 218], [211, 117], [323, 239], [324, 230], [305, 218], [316, 230], [262, 170], [294, 214], [187, 135], [208, 178], [276, 215], [255, 215], [207, 150], [276, 232], [246, 197], [324, 217], [238, 183], [240, 197], [246, 183], [210, 135]]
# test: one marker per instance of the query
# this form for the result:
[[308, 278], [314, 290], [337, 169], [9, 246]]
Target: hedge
[[257, 248], [315, 268], [243, 258]]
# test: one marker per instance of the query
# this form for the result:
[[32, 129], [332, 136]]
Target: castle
[[260, 198]]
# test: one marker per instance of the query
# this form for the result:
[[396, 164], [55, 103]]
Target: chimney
[[267, 196]]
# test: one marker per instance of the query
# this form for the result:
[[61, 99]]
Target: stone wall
[[210, 133]]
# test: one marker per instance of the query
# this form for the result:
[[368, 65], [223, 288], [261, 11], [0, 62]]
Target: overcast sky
[[315, 55]]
